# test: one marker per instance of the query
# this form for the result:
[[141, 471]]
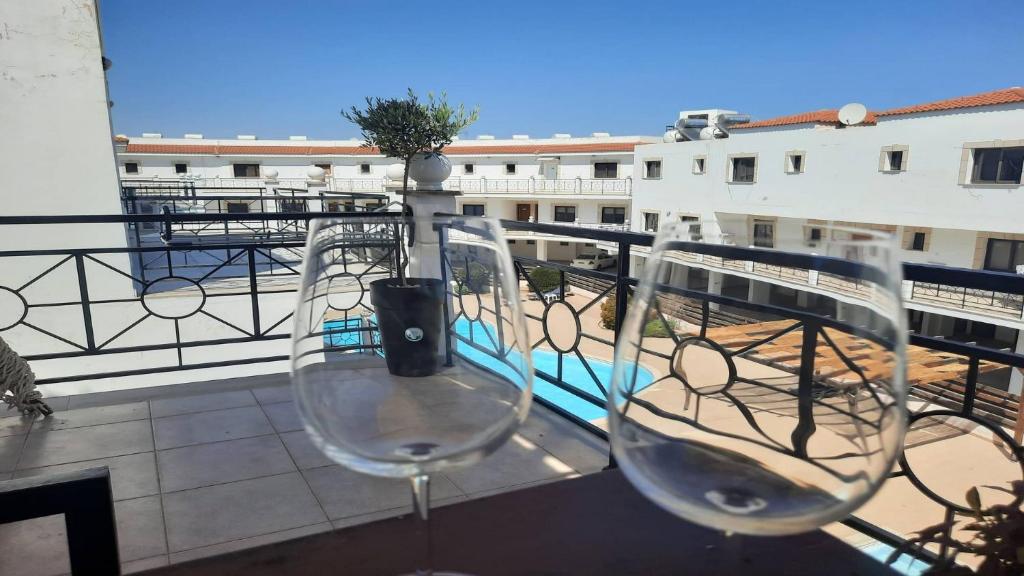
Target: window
[[650, 221], [364, 168], [131, 167], [291, 205], [565, 213], [694, 227], [246, 170], [563, 243], [613, 215], [698, 165], [180, 168], [917, 242], [511, 241], [467, 168], [325, 167], [606, 169], [339, 206], [794, 163], [1004, 255], [894, 159], [238, 207], [472, 209], [589, 245], [997, 165], [764, 233], [814, 234], [652, 169], [743, 169], [531, 242], [510, 168]]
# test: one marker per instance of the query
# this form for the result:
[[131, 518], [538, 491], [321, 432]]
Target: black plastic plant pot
[[410, 318]]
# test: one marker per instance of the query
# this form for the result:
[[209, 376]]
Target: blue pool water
[[574, 373], [905, 564]]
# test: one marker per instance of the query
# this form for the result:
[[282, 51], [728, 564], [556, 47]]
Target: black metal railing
[[191, 306], [257, 271]]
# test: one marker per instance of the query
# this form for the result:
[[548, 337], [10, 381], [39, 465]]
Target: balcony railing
[[481, 185], [243, 293], [566, 186]]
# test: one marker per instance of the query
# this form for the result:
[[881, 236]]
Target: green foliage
[[404, 127], [545, 279], [654, 328], [477, 281], [996, 534]]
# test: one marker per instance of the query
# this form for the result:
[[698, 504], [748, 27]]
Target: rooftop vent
[[485, 137], [520, 136], [246, 137], [296, 137], [194, 136], [561, 135], [601, 134], [152, 135]]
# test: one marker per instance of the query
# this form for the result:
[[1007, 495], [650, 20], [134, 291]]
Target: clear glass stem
[[421, 510]]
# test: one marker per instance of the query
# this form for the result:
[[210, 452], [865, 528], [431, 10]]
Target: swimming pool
[[574, 373]]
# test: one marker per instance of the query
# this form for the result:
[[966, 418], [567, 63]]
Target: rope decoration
[[18, 383]]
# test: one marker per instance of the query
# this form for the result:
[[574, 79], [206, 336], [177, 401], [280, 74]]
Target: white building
[[944, 177], [576, 181]]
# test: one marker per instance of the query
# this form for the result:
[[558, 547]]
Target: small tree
[[404, 127], [654, 327]]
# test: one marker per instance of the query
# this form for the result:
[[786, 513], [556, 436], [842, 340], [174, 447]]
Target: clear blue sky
[[276, 68]]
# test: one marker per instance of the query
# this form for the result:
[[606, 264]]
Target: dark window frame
[[468, 169], [650, 167], [1014, 256], [510, 168], [1002, 175], [606, 170], [364, 168], [183, 168], [648, 218], [133, 171], [917, 241], [763, 240], [613, 215], [700, 166], [740, 173], [895, 161], [562, 213], [473, 209], [242, 169]]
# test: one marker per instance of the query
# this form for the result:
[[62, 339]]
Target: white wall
[[842, 181]]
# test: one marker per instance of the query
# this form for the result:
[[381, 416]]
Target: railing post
[[254, 293], [629, 185], [578, 185], [483, 184], [83, 294]]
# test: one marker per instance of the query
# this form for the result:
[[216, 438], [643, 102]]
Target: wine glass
[[404, 371], [780, 400]]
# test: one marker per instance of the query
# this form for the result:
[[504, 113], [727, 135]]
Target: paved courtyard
[[205, 468]]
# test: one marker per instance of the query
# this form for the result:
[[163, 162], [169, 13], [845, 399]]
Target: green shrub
[[654, 328], [478, 280], [545, 279]]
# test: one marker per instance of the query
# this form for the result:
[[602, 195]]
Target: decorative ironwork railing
[[82, 303], [168, 305]]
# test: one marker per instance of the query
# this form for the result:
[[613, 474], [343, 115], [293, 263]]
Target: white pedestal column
[[715, 280], [425, 253], [759, 292], [542, 249]]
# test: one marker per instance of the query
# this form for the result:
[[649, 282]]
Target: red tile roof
[[454, 150], [816, 117], [1004, 96]]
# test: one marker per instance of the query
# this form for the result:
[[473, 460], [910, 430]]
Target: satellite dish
[[852, 114]]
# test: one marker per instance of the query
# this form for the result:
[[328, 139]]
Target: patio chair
[[18, 383]]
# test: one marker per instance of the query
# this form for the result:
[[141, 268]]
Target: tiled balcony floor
[[206, 468]]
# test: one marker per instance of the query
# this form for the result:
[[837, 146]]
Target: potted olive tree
[[409, 310]]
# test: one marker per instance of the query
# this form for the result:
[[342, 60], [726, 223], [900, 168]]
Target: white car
[[594, 261]]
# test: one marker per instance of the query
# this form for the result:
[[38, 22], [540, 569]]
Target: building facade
[[573, 181], [943, 177]]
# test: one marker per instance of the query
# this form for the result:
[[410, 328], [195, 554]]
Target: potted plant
[[409, 310]]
